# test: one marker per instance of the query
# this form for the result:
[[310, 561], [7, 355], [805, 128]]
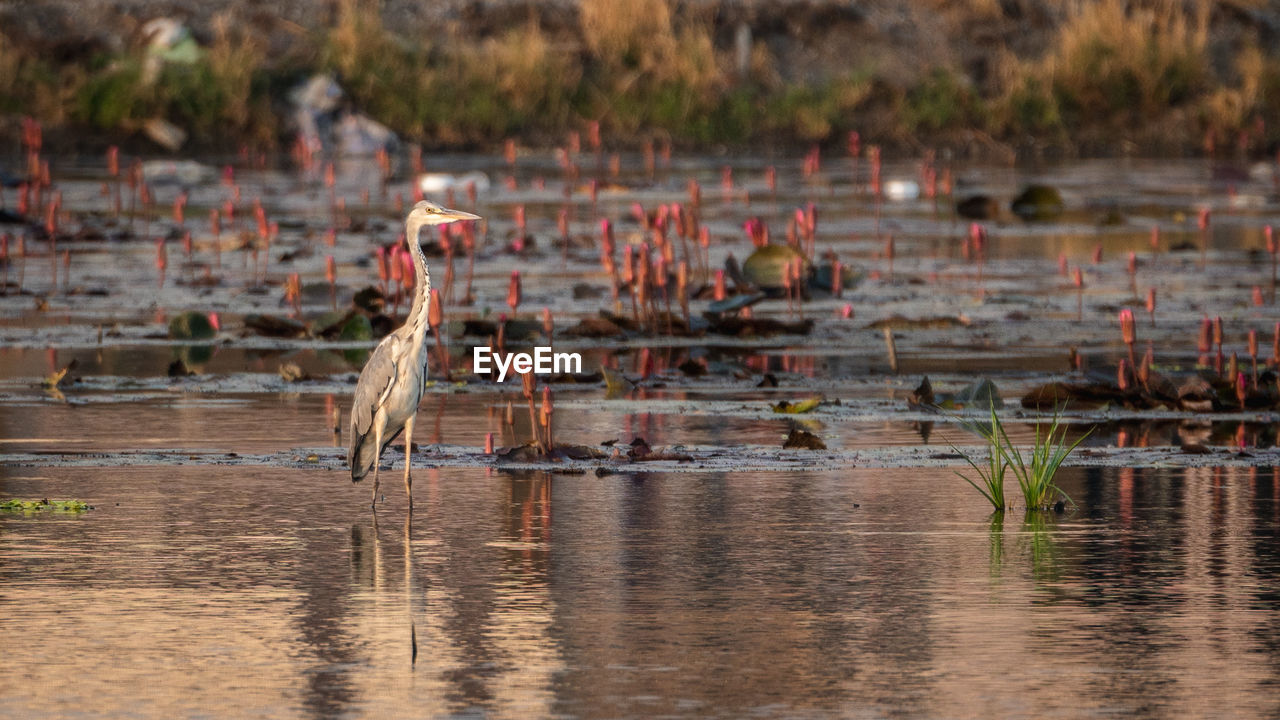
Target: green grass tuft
[[1036, 474], [992, 477]]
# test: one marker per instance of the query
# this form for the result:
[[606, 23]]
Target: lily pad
[[191, 326], [765, 267], [823, 275], [980, 395], [274, 326], [978, 207], [1038, 203]]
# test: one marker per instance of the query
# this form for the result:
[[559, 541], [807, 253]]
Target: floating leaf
[[75, 506], [766, 266], [796, 408], [191, 326], [61, 377], [1038, 203], [735, 303]]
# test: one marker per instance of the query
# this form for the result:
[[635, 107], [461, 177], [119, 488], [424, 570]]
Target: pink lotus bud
[[513, 291], [380, 256], [1127, 330], [435, 311], [1204, 343], [395, 269]]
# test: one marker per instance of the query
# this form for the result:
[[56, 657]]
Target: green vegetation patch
[[30, 506]]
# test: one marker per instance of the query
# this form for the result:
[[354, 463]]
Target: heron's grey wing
[[376, 379]]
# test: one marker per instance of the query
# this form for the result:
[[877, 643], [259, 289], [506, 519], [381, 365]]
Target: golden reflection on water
[[275, 593]]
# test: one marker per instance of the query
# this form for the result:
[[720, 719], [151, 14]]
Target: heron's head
[[430, 213]]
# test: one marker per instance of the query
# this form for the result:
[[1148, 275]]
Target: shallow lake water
[[229, 568], [867, 593]]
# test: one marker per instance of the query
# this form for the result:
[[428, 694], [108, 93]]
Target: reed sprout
[[991, 473], [1035, 473]]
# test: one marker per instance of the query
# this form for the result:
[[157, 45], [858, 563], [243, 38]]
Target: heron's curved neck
[[421, 277]]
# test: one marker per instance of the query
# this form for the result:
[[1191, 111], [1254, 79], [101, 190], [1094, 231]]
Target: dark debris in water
[[800, 439]]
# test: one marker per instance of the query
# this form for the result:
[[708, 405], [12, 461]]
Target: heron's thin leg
[[408, 459], [377, 459]]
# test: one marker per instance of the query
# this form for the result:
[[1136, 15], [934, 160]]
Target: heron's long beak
[[454, 215]]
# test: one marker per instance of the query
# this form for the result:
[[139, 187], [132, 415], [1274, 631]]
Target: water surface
[[870, 593]]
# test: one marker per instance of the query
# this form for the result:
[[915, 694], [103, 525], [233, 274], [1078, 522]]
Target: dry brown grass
[[1113, 53], [646, 38], [636, 34], [1112, 62], [652, 67], [31, 86], [234, 58]]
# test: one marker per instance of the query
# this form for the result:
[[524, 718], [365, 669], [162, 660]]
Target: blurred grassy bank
[[1000, 76]]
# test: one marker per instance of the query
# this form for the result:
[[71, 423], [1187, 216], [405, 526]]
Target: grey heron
[[392, 381]]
